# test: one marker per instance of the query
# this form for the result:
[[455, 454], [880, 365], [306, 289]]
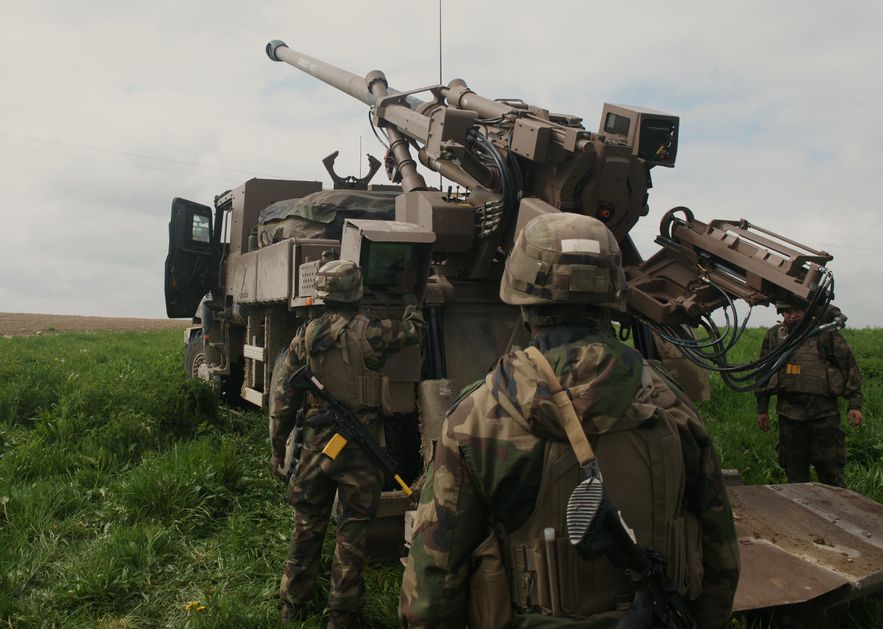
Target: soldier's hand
[[276, 463], [433, 295], [763, 420], [855, 417]]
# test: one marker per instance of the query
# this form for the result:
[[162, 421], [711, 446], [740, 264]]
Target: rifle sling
[[570, 422]]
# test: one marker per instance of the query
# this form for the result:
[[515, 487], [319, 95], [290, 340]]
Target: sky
[[109, 110]]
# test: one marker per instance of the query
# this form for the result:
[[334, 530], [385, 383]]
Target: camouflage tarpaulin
[[321, 214]]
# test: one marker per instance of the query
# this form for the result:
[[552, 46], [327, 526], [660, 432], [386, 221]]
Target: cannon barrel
[[345, 81]]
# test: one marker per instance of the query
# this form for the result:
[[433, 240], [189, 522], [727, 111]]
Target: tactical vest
[[342, 368], [643, 470], [810, 369]]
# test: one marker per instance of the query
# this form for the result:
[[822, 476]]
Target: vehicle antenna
[[439, 64]]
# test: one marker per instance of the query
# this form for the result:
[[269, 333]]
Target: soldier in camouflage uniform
[[345, 349], [807, 389], [489, 540]]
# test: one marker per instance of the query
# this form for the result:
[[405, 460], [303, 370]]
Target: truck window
[[201, 229]]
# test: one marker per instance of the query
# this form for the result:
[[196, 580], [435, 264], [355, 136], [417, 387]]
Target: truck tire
[[194, 357], [195, 366]]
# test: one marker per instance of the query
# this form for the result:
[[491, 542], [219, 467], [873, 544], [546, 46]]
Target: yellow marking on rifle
[[333, 447], [403, 485]]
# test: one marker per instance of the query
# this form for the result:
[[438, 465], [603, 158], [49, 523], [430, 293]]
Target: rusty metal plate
[[771, 577], [801, 541]]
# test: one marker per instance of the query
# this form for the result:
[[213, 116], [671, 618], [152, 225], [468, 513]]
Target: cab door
[[191, 262]]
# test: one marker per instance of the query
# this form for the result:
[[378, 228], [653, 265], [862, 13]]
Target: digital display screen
[[392, 266]]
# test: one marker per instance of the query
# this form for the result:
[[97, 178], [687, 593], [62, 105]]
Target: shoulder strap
[[571, 424], [826, 348]]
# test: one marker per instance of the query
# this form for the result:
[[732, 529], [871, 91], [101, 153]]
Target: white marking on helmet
[[580, 245]]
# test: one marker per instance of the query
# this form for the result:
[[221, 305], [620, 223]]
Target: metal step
[[255, 352], [254, 396]]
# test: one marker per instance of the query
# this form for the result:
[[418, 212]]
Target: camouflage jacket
[[804, 406], [384, 337], [487, 463]]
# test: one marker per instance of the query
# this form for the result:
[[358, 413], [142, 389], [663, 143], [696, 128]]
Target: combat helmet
[[564, 258], [790, 303], [339, 281]]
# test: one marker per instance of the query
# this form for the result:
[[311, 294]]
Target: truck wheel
[[194, 358]]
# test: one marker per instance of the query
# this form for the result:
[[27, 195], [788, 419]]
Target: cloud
[[110, 111]]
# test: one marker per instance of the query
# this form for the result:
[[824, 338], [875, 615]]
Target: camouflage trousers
[[816, 442], [357, 483]]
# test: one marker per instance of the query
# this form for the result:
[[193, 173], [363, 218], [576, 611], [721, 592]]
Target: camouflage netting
[[321, 214]]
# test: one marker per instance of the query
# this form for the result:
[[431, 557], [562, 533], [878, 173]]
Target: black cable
[[376, 135], [711, 352]]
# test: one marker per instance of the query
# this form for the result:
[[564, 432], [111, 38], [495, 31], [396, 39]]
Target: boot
[[341, 619], [292, 613]]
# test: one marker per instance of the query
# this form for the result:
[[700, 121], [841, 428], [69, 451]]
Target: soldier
[[345, 349], [820, 370], [491, 519]]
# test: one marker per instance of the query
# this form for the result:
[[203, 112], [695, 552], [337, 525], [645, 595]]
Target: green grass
[[126, 492], [731, 418]]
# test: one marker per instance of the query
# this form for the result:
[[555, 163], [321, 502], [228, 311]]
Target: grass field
[[130, 499]]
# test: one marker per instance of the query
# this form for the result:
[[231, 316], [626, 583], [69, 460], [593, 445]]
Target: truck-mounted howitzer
[[245, 271], [517, 161]]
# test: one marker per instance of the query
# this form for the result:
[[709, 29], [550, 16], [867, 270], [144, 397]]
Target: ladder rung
[[255, 353], [253, 395]]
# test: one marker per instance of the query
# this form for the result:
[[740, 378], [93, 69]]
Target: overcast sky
[[108, 110]]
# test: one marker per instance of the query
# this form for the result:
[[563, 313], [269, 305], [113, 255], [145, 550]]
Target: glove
[[434, 295]]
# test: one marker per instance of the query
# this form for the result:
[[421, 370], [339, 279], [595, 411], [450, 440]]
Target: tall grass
[[731, 418], [126, 493]]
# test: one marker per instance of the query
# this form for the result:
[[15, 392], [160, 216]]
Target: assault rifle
[[595, 527], [657, 603], [347, 427]]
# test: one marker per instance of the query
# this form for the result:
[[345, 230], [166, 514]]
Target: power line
[[107, 161], [124, 153]]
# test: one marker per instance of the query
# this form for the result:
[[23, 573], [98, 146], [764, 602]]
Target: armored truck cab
[[245, 270]]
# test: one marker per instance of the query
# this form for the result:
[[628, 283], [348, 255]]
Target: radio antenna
[[439, 41], [440, 64]]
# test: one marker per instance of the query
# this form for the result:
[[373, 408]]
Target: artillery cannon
[[517, 161]]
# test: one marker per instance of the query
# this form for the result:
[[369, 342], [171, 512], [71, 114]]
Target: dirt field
[[15, 324]]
